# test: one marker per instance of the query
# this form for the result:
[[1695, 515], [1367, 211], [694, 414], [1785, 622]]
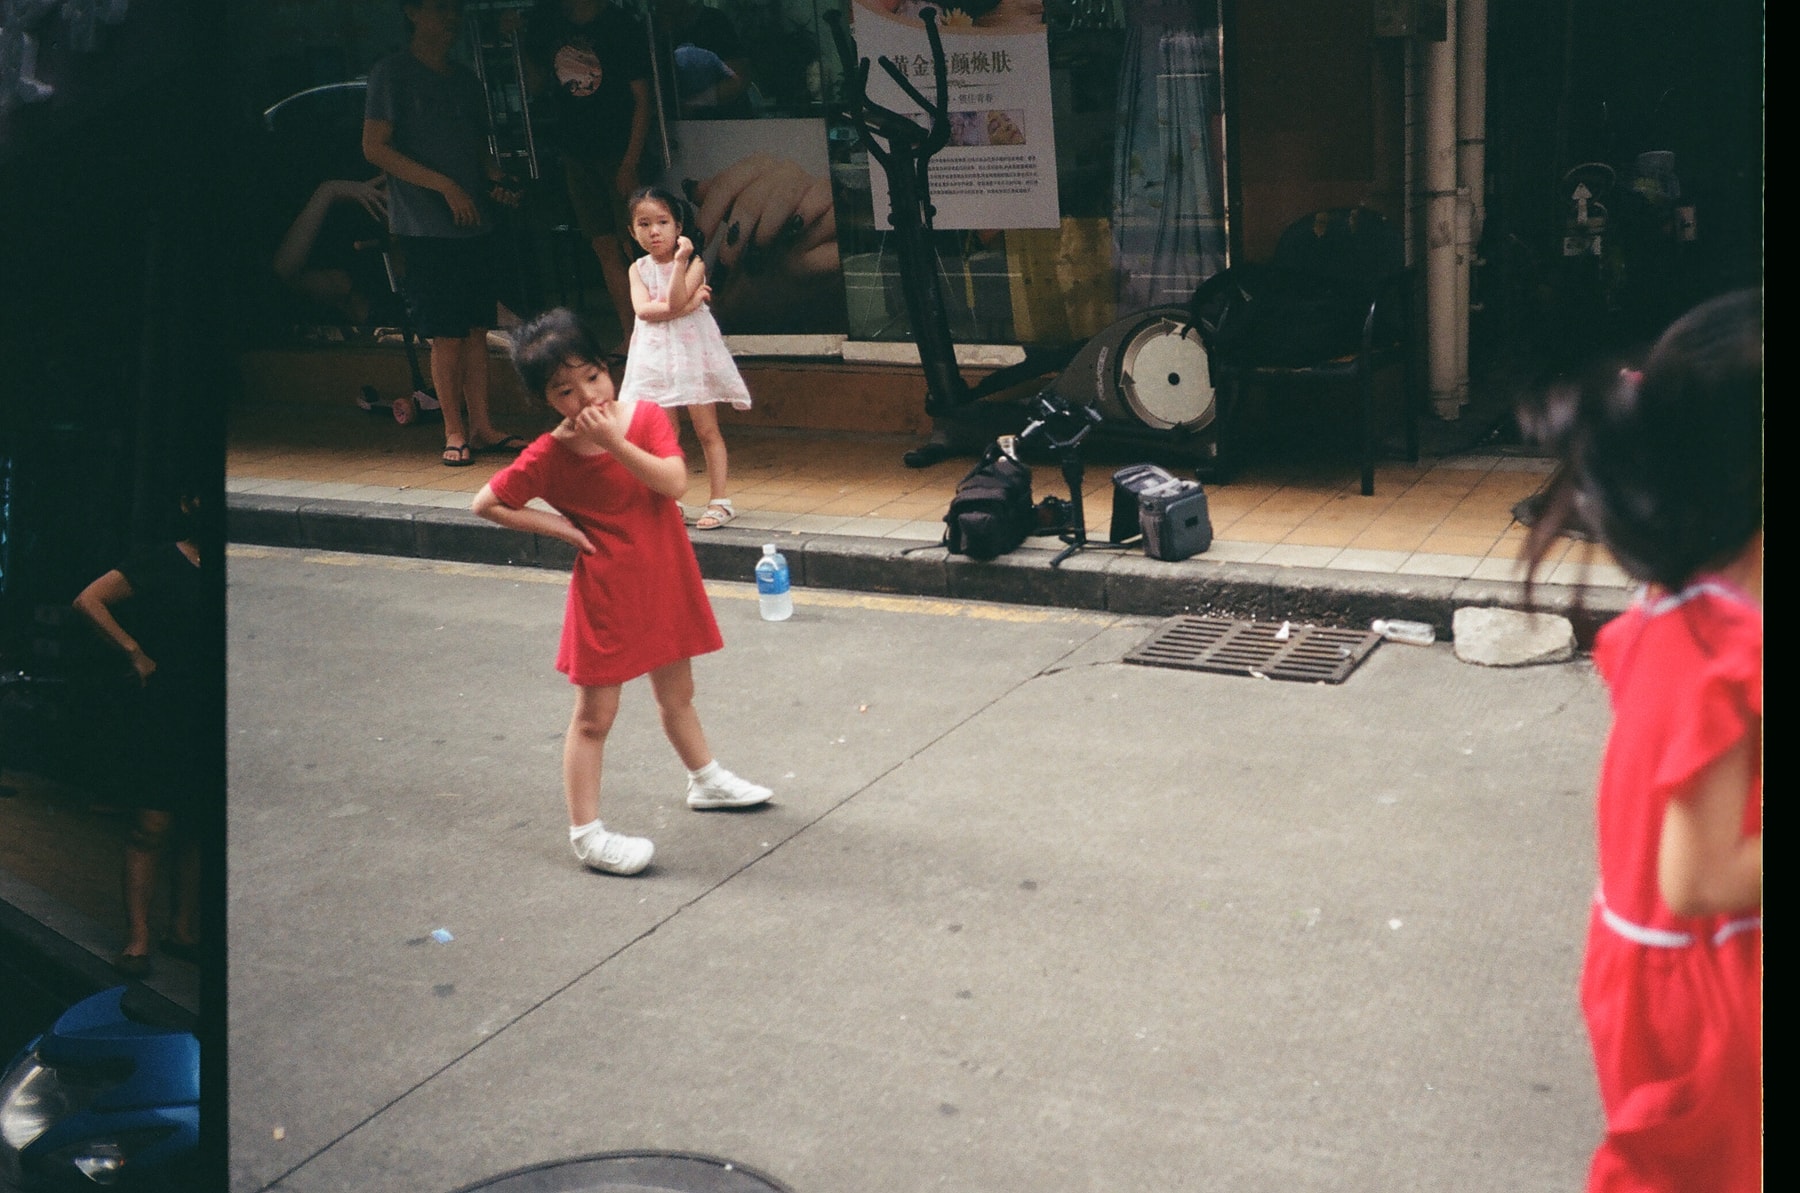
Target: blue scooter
[[109, 1097]]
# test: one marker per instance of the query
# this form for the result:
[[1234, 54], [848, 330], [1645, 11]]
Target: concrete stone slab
[[255, 518], [1510, 638], [873, 565], [1026, 577], [459, 535], [369, 527]]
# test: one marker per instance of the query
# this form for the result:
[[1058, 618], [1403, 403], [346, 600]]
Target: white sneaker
[[725, 790], [613, 853]]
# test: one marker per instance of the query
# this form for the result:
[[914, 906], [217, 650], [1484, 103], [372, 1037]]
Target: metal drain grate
[[1309, 654]]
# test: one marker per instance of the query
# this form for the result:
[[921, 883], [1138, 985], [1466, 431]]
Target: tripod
[[1060, 429]]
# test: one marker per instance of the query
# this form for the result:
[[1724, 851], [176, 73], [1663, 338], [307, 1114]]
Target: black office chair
[[1333, 308]]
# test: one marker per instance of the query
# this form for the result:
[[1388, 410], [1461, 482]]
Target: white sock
[[707, 773], [578, 831]]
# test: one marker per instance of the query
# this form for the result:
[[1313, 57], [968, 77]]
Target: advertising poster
[[763, 193], [999, 168]]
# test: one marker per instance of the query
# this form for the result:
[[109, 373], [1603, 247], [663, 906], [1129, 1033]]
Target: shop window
[[1134, 98]]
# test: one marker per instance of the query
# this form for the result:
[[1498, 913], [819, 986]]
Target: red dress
[[637, 603], [1674, 1004]]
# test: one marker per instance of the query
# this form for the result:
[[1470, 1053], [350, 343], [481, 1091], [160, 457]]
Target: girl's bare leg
[[583, 748], [712, 445], [673, 686]]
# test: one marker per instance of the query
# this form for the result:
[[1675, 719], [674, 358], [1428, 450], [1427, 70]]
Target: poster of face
[[999, 168]]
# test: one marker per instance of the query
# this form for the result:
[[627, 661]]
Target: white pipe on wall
[[1437, 80], [1471, 109], [1410, 153], [1471, 168]]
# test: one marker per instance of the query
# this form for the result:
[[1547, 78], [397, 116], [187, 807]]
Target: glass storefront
[[1081, 181], [1125, 102]]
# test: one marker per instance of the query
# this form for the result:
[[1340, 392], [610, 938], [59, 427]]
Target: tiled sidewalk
[[1449, 516]]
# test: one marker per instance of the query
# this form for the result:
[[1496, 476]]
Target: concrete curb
[[1110, 580]]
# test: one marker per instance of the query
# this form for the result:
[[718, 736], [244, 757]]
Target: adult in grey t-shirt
[[439, 122], [425, 127]]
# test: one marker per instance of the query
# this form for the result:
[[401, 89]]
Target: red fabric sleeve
[[523, 479], [1718, 698], [652, 431]]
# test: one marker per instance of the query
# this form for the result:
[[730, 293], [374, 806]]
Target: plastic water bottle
[[1413, 633], [772, 595]]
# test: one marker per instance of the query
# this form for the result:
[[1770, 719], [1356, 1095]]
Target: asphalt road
[[1022, 916]]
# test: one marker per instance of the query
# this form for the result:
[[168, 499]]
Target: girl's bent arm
[[95, 603], [664, 474], [650, 310], [487, 505], [680, 276], [1706, 866]]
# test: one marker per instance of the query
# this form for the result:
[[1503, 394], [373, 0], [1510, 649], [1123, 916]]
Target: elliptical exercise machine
[[1143, 381]]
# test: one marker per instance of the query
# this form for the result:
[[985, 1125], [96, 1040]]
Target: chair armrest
[[1390, 289], [1206, 294]]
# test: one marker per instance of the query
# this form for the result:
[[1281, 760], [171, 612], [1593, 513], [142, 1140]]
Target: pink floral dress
[[679, 362]]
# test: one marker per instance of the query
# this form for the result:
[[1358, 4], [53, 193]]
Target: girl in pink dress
[[611, 471], [678, 357], [1665, 468]]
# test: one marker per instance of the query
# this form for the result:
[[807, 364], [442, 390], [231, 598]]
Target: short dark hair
[[545, 344], [1664, 467]]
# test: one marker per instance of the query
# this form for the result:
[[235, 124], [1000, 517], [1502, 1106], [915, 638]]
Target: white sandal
[[718, 512]]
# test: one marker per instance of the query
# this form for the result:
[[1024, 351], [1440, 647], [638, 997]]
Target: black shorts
[[452, 284]]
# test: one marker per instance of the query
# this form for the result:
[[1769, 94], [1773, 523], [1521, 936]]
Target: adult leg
[[447, 373], [184, 928], [583, 749], [143, 853], [482, 433], [613, 270]]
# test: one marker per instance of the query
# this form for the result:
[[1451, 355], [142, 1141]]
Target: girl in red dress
[[1664, 467], [612, 472]]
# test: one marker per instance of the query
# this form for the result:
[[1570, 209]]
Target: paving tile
[[873, 527], [854, 505], [1261, 530], [1310, 534], [1298, 555], [1380, 537], [760, 519], [817, 523], [1497, 568], [1441, 542], [1236, 551], [1423, 563], [922, 531], [1361, 559], [1577, 572]]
